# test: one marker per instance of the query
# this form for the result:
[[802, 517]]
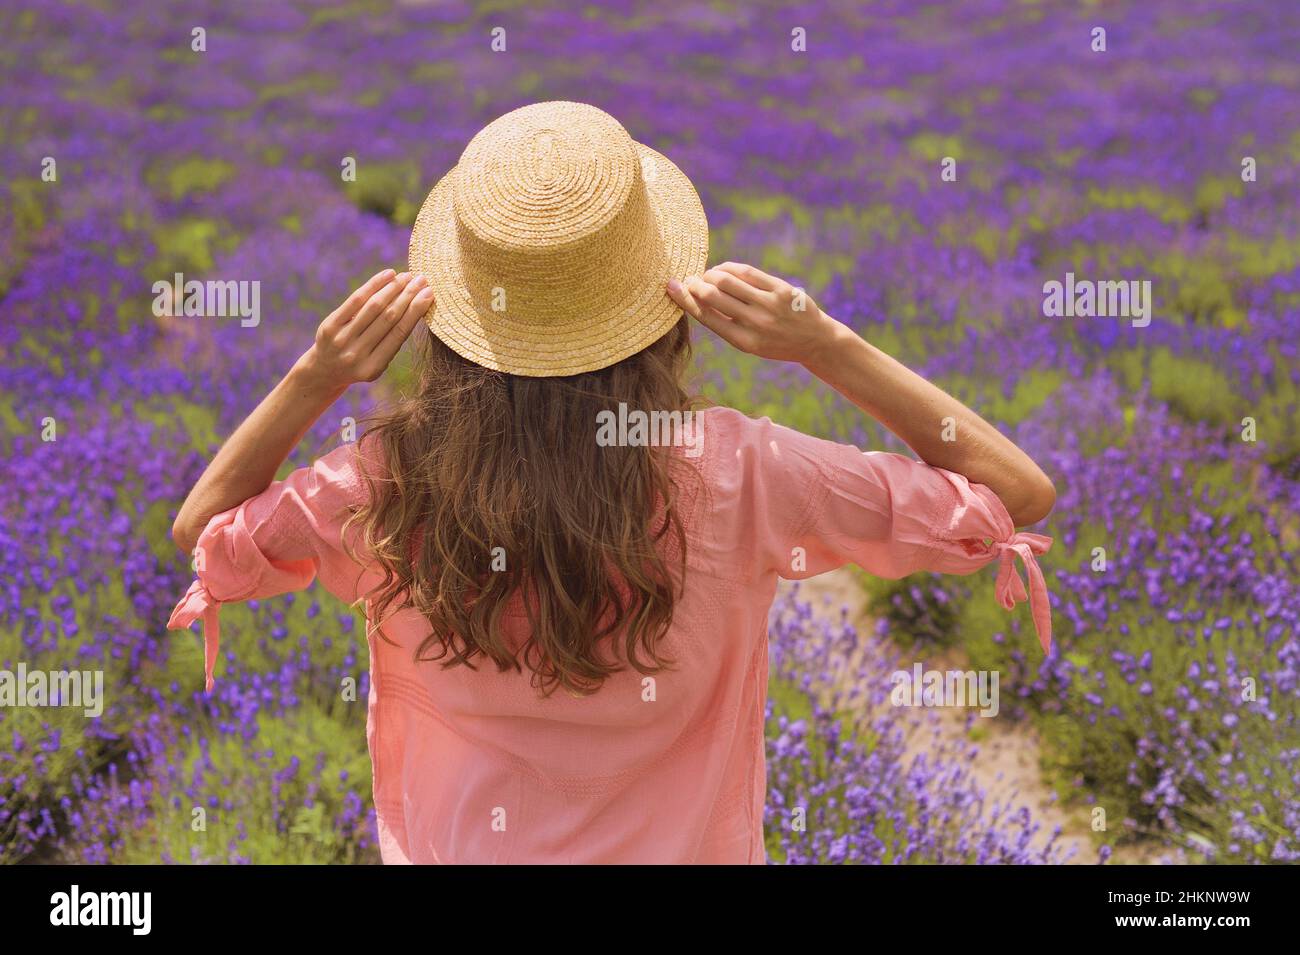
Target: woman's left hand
[[360, 337], [758, 313]]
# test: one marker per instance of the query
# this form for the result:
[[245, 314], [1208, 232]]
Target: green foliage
[[43, 771], [731, 377], [1030, 392], [299, 86], [391, 190], [187, 246], [1203, 292], [192, 175], [28, 202], [933, 147], [290, 821], [1198, 390], [10, 424], [1213, 191], [1193, 388], [1278, 417]]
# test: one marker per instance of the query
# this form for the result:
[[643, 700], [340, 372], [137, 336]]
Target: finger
[[734, 286], [715, 322], [755, 277], [719, 324], [727, 330], [682, 298], [390, 316], [415, 313], [710, 296], [374, 305], [352, 304]]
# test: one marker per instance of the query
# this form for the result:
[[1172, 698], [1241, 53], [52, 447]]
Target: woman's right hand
[[359, 338], [756, 312]]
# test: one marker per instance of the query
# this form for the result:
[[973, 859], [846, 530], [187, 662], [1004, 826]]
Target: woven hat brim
[[579, 342]]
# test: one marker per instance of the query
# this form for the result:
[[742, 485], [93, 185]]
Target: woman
[[568, 632]]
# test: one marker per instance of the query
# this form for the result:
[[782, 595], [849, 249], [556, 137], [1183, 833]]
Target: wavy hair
[[479, 465]]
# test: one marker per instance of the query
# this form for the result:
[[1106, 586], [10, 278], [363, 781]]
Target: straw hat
[[549, 244]]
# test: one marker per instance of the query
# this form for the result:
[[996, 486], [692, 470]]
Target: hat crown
[[549, 243], [544, 179]]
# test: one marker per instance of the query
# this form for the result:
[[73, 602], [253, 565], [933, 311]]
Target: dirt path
[[1007, 764]]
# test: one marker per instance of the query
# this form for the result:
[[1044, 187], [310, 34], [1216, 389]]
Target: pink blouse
[[473, 766]]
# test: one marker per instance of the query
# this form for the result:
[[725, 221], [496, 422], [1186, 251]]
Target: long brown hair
[[479, 465]]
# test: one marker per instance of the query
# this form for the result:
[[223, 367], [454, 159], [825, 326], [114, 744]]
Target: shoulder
[[728, 429], [757, 458], [763, 443]]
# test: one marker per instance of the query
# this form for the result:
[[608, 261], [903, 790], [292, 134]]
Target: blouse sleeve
[[276, 542], [892, 516]]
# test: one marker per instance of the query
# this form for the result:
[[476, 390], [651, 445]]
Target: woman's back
[[478, 765]]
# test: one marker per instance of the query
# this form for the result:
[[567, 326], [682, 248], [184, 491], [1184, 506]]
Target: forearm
[[246, 464], [940, 429]]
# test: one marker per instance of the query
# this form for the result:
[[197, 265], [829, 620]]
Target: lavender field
[[924, 170]]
